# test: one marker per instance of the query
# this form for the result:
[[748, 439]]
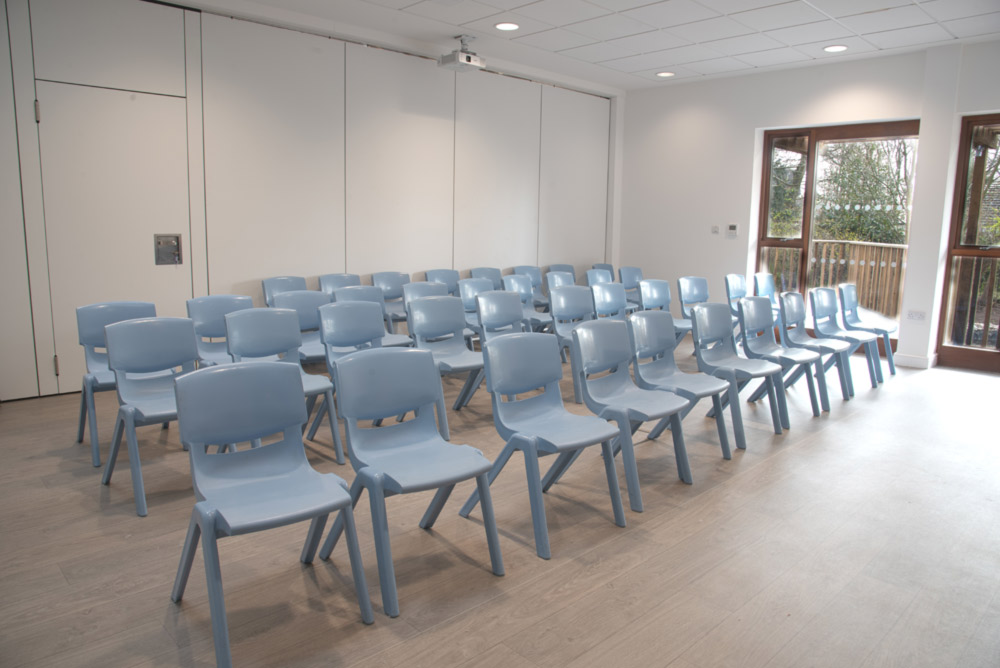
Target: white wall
[[693, 156]]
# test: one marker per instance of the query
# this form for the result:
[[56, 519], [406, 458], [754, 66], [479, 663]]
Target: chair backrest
[[630, 277], [599, 346], [532, 272], [736, 289], [145, 346], [447, 276], [517, 364], [492, 273], [519, 284], [237, 403], [92, 319], [756, 322], [347, 327], [605, 266], [383, 383], [500, 312], [763, 286], [712, 329], [692, 290], [363, 293], [279, 284], [558, 279], [653, 338], [654, 293], [306, 305], [468, 288], [436, 317], [609, 300], [793, 318], [209, 313], [849, 304], [566, 268], [391, 282], [271, 334], [597, 276], [418, 289], [330, 282], [571, 305], [824, 310]]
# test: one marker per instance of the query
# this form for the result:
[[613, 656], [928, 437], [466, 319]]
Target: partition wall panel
[[573, 185], [274, 154], [497, 144], [400, 162]]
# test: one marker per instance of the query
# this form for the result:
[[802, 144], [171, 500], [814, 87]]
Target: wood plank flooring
[[869, 536]]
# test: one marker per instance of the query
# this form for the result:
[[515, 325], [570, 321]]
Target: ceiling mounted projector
[[461, 59]]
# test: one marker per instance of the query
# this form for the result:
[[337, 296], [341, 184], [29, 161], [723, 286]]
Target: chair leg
[[824, 394], [316, 419], [313, 537], [613, 489], [468, 389], [779, 390], [95, 443], [736, 412], [434, 509], [490, 525], [888, 353], [680, 451], [720, 424], [328, 407], [357, 568], [846, 360], [116, 443], [876, 360], [383, 551], [338, 525], [213, 579], [83, 413], [813, 399], [628, 461], [577, 392], [138, 488], [773, 401], [494, 471], [559, 467], [535, 497], [187, 558]]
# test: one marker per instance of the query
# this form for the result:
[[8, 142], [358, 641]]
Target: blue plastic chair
[[610, 301], [630, 277], [272, 335], [606, 267], [736, 289], [468, 288], [399, 458], [371, 293], [654, 294], [306, 305], [255, 489], [602, 347], [715, 349], [654, 341], [392, 283], [794, 335], [439, 326], [558, 279], [279, 284], [597, 276], [418, 289], [694, 290], [763, 286], [520, 284], [209, 316], [539, 424], [447, 276], [824, 312], [570, 305], [90, 323], [492, 273], [500, 312], [146, 355], [328, 283], [850, 311], [535, 274], [565, 268], [757, 327]]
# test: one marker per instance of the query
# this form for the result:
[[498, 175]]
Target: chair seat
[[395, 310], [460, 360], [155, 402], [644, 405], [854, 336], [698, 385], [423, 464], [104, 379], [783, 355], [314, 384], [682, 324], [822, 346], [744, 368], [557, 432], [312, 348], [260, 504], [214, 352]]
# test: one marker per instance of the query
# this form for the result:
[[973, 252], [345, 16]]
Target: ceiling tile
[[887, 19], [394, 4], [507, 4], [655, 40], [810, 32], [671, 13], [561, 12], [744, 44], [678, 56], [712, 29], [838, 8], [610, 27], [975, 26], [718, 66], [948, 10], [456, 13], [554, 40], [679, 73], [855, 45], [488, 25], [733, 6], [620, 5], [773, 57], [892, 39], [779, 16]]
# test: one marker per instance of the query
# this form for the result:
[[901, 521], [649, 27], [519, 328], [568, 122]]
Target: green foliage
[[788, 170]]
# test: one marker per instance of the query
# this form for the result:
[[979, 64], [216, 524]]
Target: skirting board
[[916, 361]]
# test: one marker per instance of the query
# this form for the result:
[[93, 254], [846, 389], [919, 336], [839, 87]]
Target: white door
[[114, 173]]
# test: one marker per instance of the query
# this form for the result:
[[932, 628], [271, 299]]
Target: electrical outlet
[[916, 315], [715, 229]]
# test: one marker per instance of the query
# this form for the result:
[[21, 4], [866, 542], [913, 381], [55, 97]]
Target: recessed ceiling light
[[664, 74], [507, 26], [835, 48]]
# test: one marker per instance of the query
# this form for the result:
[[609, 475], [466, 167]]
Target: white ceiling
[[622, 44]]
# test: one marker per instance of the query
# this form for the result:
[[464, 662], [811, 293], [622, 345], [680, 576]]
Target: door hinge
[[38, 112], [55, 363]]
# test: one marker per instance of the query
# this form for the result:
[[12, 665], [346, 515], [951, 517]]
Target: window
[[836, 209]]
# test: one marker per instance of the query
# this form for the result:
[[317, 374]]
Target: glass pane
[[787, 189], [783, 263], [974, 312], [981, 212], [861, 216]]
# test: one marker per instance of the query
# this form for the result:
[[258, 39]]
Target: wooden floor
[[869, 536]]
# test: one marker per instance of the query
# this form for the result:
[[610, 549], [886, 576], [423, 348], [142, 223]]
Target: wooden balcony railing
[[877, 270]]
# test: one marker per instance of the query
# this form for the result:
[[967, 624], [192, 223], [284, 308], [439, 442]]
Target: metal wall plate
[[167, 248]]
